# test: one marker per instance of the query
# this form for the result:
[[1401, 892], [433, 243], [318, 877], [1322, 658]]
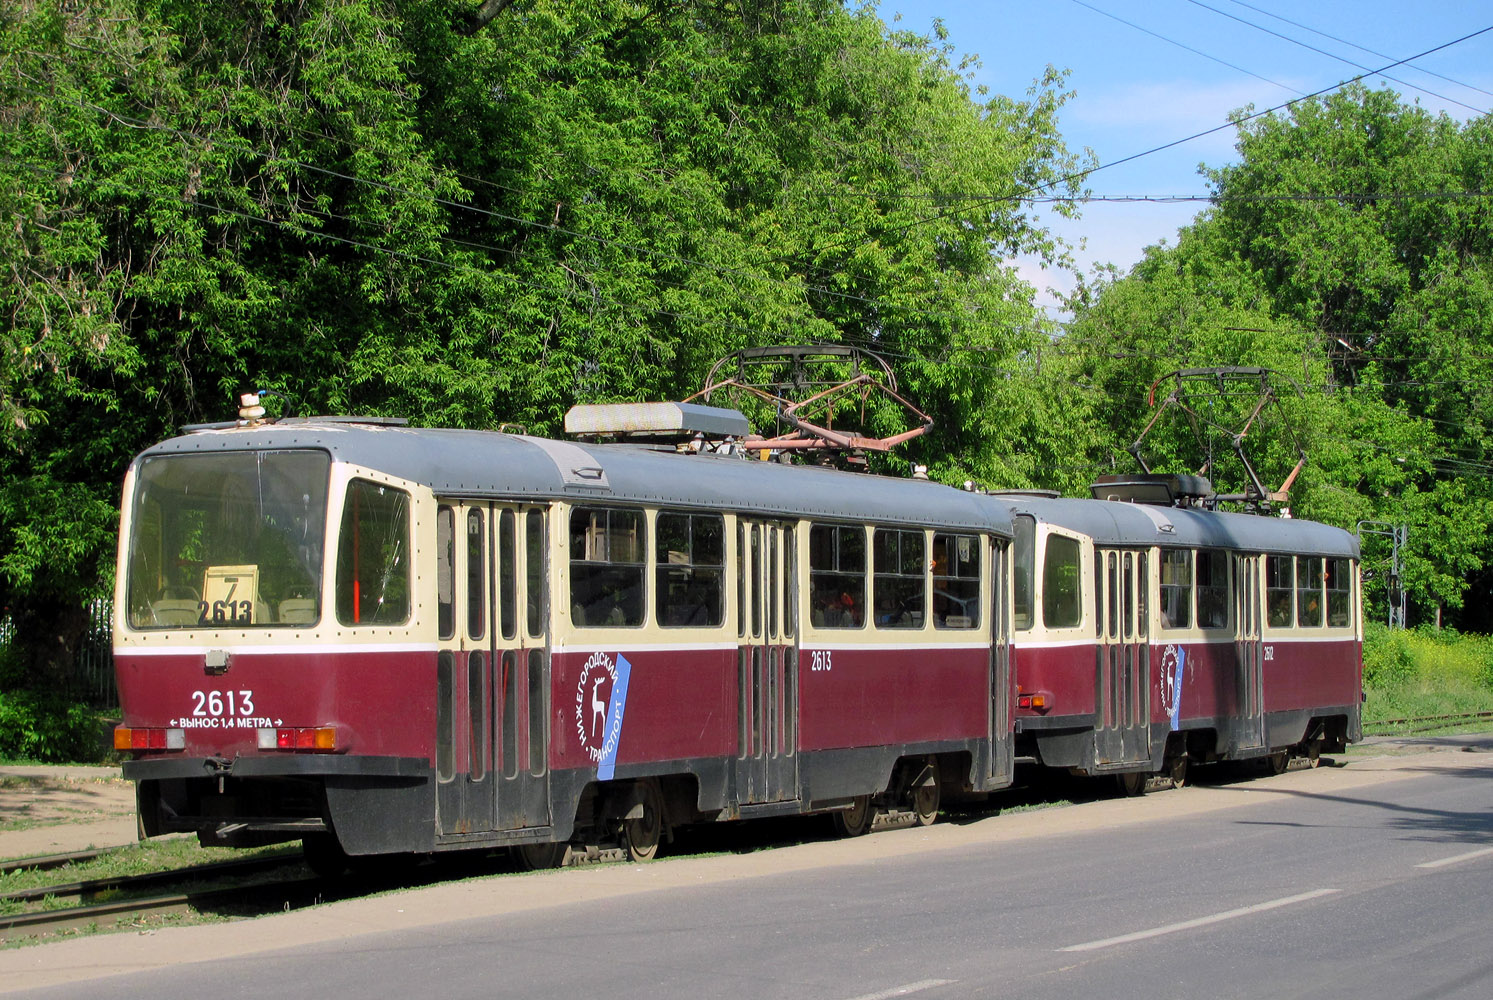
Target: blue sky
[[1136, 91]]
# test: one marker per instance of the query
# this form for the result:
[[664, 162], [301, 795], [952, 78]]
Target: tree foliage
[[1351, 248], [405, 207]]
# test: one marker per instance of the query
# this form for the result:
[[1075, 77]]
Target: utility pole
[[1397, 534]]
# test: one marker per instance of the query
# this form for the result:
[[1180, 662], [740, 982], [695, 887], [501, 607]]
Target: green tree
[[1348, 247], [405, 207]]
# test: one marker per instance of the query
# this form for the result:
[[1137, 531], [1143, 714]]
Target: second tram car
[[1149, 635]]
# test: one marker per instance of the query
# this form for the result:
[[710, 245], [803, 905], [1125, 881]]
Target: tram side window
[[507, 575], [1176, 588], [606, 567], [900, 574], [691, 553], [1280, 584], [956, 581], [534, 588], [1213, 589], [373, 566], [1023, 570], [1308, 592], [1062, 597], [445, 572], [837, 576], [476, 574], [1339, 593]]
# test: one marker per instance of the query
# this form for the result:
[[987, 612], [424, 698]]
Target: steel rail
[[289, 894], [126, 883], [44, 861], [1437, 721]]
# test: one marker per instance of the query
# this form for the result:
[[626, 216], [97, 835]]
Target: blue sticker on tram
[[616, 705], [1177, 688]]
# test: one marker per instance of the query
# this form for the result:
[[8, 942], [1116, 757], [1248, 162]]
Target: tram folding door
[[1002, 767], [766, 663], [492, 669], [1249, 656], [1122, 730], [521, 686], [464, 789]]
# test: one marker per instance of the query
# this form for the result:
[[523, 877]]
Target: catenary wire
[[1331, 55], [1355, 45]]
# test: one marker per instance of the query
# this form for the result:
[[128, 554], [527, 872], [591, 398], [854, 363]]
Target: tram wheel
[[856, 820], [325, 856], [1279, 761], [1131, 783], [539, 857], [641, 836], [1176, 769], [926, 797]]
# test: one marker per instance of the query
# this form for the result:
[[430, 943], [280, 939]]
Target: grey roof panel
[[493, 464], [1113, 523]]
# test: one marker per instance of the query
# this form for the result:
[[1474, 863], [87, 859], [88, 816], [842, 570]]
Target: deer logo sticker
[[600, 701]]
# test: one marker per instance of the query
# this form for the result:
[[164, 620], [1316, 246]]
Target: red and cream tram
[[384, 639], [1150, 633]]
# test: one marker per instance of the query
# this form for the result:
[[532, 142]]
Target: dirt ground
[[55, 810]]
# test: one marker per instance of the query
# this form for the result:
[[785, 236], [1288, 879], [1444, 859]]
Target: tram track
[[125, 899], [129, 883], [285, 894], [1429, 722], [45, 862]]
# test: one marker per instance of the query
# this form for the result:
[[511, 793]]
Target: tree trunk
[[45, 644]]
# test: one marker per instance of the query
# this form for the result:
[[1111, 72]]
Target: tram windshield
[[228, 540]]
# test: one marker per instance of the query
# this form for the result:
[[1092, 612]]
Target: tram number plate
[[212, 704], [225, 613], [228, 595], [819, 661]]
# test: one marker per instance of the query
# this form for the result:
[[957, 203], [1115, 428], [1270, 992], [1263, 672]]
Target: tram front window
[[227, 540]]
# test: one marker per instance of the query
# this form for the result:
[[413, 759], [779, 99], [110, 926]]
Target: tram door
[[766, 662], [1249, 725], [464, 787], [1122, 731], [521, 682], [1002, 741]]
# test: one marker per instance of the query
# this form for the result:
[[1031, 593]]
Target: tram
[[381, 639], [384, 639]]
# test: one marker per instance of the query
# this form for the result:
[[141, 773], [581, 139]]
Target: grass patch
[[1410, 673]]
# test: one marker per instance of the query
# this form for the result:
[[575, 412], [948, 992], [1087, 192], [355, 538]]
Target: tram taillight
[[317, 739], [149, 739]]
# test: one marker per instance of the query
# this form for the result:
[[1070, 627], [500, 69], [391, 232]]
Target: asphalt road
[[1289, 887]]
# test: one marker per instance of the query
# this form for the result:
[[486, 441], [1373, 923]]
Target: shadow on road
[[1451, 826]]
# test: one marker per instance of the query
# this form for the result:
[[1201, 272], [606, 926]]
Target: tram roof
[[492, 464], [1110, 522]]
